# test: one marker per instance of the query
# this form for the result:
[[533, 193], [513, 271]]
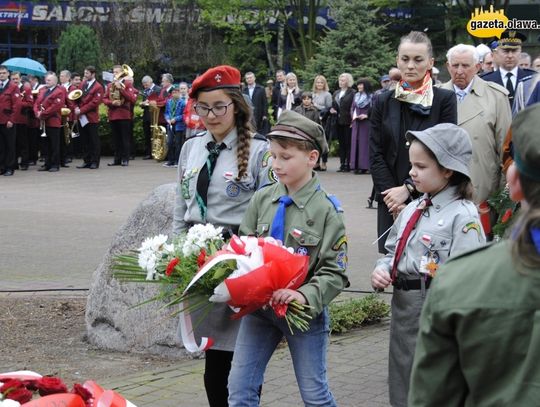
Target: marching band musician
[[88, 115], [8, 89], [119, 98], [66, 150], [151, 94], [34, 139], [129, 80], [48, 109], [165, 94], [23, 105]]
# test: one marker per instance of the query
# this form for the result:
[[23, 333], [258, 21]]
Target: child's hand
[[285, 296], [380, 278]]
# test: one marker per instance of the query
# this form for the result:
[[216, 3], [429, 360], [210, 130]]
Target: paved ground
[[55, 228]]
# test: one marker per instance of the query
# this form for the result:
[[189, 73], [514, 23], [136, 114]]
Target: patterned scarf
[[362, 99], [420, 99]]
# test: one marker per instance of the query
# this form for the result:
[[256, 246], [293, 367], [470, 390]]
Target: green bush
[[353, 313]]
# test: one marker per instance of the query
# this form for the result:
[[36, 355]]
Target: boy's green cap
[[293, 125]]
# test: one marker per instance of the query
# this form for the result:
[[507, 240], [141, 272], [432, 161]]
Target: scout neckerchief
[[278, 223], [203, 181], [420, 99], [411, 224]]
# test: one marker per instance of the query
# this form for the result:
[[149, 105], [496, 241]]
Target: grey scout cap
[[449, 143], [293, 125]]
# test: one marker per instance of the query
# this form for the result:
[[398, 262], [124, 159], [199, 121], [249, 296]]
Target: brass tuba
[[65, 112], [159, 135], [115, 89]]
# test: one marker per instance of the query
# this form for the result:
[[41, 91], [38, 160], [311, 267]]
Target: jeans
[[259, 335]]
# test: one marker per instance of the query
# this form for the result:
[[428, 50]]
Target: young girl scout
[[427, 232], [219, 171]]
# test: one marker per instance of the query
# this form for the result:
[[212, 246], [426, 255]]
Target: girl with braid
[[218, 173]]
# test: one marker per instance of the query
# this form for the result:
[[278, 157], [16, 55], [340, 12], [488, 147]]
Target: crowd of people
[[436, 152]]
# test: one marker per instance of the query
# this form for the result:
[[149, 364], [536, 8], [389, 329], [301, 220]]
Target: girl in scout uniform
[[218, 172], [427, 232]]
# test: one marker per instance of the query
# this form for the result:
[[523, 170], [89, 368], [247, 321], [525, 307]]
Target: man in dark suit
[[276, 92], [509, 74], [257, 95], [151, 92]]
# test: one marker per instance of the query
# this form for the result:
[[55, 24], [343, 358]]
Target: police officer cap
[[449, 143], [526, 141], [293, 125], [384, 78], [218, 77], [511, 39]]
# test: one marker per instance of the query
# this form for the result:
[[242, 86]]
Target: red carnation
[[21, 395], [10, 385], [83, 392], [202, 258], [507, 215], [280, 309], [51, 385], [170, 267]]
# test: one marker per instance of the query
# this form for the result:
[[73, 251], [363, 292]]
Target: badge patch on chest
[[232, 190], [302, 251]]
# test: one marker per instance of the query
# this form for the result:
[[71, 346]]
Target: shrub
[[353, 313]]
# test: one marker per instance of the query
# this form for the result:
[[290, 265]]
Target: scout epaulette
[[335, 201], [472, 226]]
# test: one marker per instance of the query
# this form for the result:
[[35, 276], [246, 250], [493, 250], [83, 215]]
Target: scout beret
[[218, 77], [511, 39], [526, 141], [449, 143], [293, 125]]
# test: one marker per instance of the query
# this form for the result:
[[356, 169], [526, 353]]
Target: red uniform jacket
[[7, 102], [122, 112], [90, 101], [52, 103], [161, 101], [23, 104]]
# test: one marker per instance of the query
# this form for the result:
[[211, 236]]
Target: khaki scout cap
[[449, 143], [293, 125], [526, 141]]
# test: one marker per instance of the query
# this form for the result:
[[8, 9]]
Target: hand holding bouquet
[[245, 272]]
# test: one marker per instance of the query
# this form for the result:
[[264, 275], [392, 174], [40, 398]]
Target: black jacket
[[260, 105], [385, 132], [344, 106]]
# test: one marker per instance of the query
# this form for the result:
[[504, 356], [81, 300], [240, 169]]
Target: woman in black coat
[[415, 104], [341, 106]]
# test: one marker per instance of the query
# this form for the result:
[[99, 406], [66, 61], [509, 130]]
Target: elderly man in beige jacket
[[484, 112]]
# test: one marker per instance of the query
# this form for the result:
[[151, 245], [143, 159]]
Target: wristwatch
[[410, 187]]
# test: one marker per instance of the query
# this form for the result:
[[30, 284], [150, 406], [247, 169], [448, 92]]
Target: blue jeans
[[259, 335]]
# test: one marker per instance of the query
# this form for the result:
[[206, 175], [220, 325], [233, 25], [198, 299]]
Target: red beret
[[218, 77]]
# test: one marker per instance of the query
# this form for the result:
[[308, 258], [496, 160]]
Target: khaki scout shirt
[[447, 227], [479, 338], [227, 198], [313, 226]]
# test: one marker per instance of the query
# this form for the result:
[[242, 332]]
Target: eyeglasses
[[204, 111]]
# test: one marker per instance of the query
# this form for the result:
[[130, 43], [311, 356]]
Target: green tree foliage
[[358, 45], [78, 47]]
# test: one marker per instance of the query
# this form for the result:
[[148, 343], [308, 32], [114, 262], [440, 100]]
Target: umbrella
[[25, 65]]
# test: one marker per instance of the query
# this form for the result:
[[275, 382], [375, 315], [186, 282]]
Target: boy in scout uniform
[[478, 342], [300, 214]]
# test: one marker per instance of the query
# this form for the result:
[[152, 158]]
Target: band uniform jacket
[[164, 95], [343, 107], [485, 114], [386, 132], [7, 102], [148, 95], [52, 103], [227, 203], [314, 226], [122, 112], [23, 105], [260, 104], [90, 101]]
